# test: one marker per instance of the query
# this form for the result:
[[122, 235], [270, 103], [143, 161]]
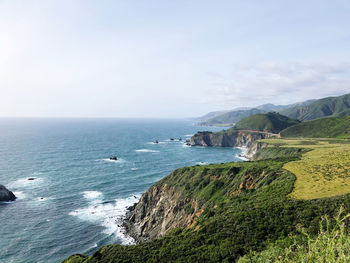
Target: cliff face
[[256, 147], [235, 138], [160, 210]]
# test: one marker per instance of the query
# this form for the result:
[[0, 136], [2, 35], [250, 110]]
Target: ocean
[[77, 197]]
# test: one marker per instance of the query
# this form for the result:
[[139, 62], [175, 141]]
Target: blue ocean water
[[79, 197]]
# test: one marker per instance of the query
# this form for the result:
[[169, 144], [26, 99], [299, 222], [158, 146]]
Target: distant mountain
[[214, 114], [306, 110], [267, 122], [330, 106], [230, 118], [333, 127], [210, 115], [272, 107]]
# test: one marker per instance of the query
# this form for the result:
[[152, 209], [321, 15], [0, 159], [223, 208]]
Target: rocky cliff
[[160, 209], [228, 138], [256, 147]]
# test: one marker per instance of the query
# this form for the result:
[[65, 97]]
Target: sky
[[168, 59]]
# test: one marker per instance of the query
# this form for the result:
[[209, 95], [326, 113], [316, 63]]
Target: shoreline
[[126, 224], [243, 155]]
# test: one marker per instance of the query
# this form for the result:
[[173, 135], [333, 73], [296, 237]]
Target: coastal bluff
[[160, 209], [228, 138]]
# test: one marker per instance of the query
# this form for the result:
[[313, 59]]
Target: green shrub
[[331, 245]]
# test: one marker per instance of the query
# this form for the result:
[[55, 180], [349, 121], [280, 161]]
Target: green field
[[323, 171]]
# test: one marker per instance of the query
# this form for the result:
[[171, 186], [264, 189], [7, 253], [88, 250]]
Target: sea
[[71, 197]]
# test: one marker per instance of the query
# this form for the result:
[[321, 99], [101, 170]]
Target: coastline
[[243, 155], [127, 225]]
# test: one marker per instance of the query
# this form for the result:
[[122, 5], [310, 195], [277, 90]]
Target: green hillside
[[245, 208], [231, 117], [268, 122], [333, 127], [331, 106]]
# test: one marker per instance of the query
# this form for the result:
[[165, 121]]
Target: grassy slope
[[246, 208], [270, 122], [319, 108], [322, 172], [334, 127]]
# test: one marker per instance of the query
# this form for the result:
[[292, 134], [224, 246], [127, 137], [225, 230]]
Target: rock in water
[[5, 194]]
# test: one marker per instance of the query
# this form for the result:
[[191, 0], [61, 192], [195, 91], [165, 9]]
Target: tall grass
[[331, 245]]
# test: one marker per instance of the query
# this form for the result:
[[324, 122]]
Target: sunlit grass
[[322, 172]]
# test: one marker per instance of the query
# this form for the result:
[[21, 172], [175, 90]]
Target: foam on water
[[160, 142], [42, 199], [20, 195], [134, 169], [189, 135], [25, 182], [110, 215], [92, 195], [120, 160], [201, 163], [243, 154], [146, 151]]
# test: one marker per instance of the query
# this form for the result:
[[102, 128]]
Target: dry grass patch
[[322, 172]]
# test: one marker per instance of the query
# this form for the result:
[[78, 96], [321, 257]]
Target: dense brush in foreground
[[331, 245], [242, 207]]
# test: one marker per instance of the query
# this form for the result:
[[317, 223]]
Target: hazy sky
[[168, 58]]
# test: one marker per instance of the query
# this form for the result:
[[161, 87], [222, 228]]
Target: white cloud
[[280, 83]]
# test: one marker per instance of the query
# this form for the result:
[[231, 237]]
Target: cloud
[[280, 83]]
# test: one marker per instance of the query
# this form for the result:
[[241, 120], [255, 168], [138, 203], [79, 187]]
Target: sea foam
[[20, 195], [110, 215], [146, 151], [25, 182], [120, 160], [92, 195], [243, 153]]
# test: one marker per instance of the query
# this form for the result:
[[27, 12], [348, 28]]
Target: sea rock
[[6, 195]]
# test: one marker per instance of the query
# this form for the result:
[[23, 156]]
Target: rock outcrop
[[229, 138], [160, 209], [6, 195], [163, 208], [255, 147]]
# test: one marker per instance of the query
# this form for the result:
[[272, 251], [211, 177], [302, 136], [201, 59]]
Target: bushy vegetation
[[246, 208], [268, 122], [331, 245], [279, 152], [334, 127], [331, 106]]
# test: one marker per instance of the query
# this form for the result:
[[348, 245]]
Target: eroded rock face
[[6, 195], [228, 139], [254, 148], [158, 211]]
